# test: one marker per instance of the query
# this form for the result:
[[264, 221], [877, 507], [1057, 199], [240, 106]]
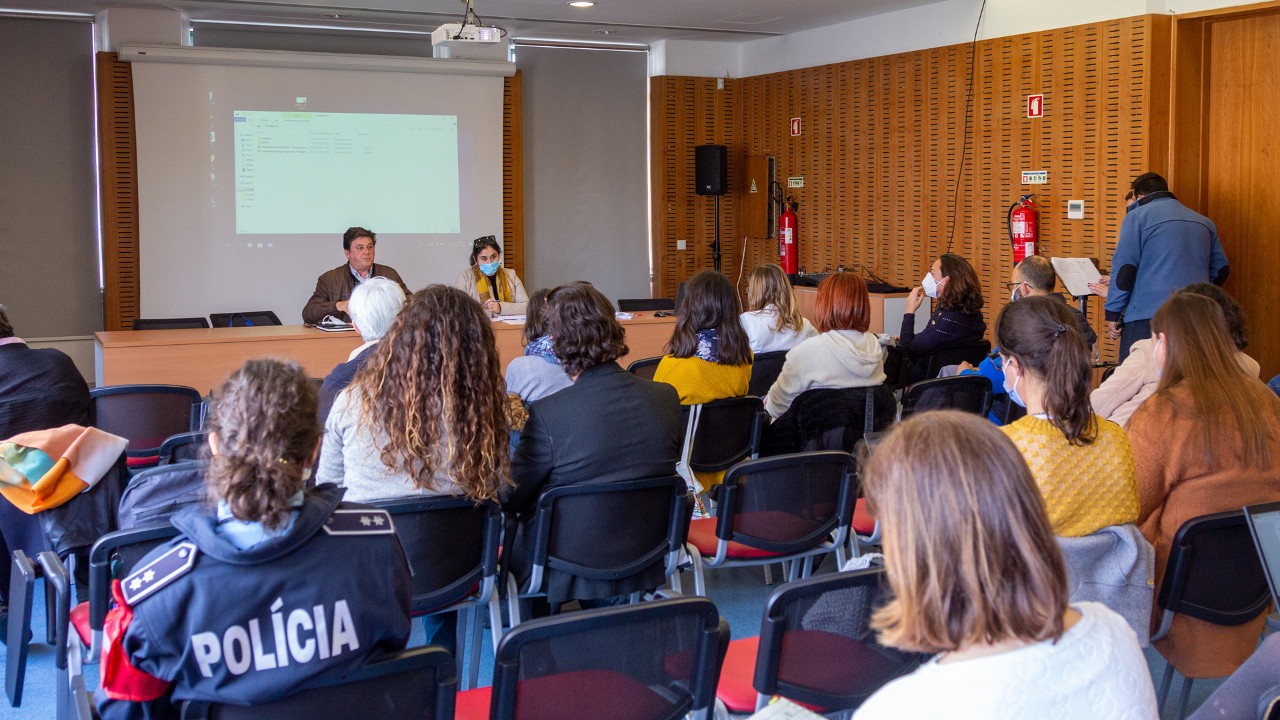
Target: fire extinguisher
[[787, 241], [1024, 227]]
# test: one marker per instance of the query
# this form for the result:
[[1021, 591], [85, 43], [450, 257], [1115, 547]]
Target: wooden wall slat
[[513, 173], [118, 170], [883, 139]]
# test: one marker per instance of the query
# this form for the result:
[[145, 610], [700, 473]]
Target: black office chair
[[646, 305], [452, 546], [145, 415], [830, 419], [414, 683], [170, 323], [644, 368], [651, 661], [816, 646], [765, 369], [244, 319], [971, 351], [1213, 574], [720, 434], [785, 509], [182, 447], [22, 583], [629, 534], [970, 393]]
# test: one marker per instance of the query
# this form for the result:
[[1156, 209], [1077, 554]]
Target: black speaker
[[710, 169]]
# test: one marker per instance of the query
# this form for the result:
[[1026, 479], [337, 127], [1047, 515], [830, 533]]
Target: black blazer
[[609, 426], [39, 390]]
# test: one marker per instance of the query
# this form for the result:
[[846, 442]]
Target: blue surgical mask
[[489, 268], [1013, 390]]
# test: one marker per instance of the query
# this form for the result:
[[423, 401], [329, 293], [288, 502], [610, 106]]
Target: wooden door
[[1243, 152]]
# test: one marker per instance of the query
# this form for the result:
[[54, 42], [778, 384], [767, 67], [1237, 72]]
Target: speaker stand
[[715, 240]]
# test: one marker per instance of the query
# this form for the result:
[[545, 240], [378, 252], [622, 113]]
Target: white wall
[[942, 23]]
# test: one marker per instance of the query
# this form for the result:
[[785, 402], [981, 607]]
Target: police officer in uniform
[[271, 591]]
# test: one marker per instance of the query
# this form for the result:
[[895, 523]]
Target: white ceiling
[[626, 21]]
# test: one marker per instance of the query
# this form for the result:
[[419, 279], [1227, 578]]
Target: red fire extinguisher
[[1024, 228], [787, 241]]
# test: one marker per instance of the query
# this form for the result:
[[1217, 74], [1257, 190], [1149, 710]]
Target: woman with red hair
[[843, 355]]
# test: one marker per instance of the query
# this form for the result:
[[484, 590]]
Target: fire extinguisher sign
[[1035, 106], [795, 127]]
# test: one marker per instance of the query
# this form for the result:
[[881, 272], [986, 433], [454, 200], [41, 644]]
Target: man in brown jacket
[[333, 288]]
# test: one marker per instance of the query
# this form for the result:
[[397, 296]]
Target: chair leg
[[513, 604], [1183, 697], [768, 574], [495, 619], [477, 629], [699, 573], [1164, 687]]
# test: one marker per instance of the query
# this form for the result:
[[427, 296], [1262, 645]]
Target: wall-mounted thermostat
[[1075, 209]]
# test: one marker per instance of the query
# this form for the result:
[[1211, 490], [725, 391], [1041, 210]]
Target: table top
[[258, 333]]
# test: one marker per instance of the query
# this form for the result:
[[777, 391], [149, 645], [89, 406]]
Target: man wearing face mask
[[1163, 246], [1033, 277], [333, 288], [497, 288]]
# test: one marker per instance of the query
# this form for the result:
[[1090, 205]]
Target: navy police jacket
[[247, 626]]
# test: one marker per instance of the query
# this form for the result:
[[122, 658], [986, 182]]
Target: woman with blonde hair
[[772, 320], [977, 578], [1207, 441], [427, 414]]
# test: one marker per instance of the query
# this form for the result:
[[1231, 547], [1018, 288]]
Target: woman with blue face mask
[[1082, 463], [497, 288]]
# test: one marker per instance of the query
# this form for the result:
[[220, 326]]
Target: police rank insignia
[[144, 581], [371, 521]]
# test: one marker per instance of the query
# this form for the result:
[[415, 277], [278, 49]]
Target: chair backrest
[[765, 369], [609, 531], [155, 494], [170, 323], [145, 414], [971, 393], [648, 661], [728, 431], [644, 368], [22, 581], [817, 645], [114, 556], [787, 503], [971, 351], [182, 447], [416, 683], [1213, 573], [244, 319], [837, 419], [451, 544], [646, 304]]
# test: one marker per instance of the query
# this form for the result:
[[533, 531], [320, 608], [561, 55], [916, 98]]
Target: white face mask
[[930, 285]]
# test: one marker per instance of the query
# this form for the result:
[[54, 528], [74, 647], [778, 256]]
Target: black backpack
[[155, 494]]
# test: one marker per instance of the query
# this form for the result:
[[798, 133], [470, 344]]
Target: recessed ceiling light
[[604, 32], [335, 16], [582, 3]]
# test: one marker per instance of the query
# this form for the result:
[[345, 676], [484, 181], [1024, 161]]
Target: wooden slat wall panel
[[118, 167], [513, 174], [685, 113], [883, 139]]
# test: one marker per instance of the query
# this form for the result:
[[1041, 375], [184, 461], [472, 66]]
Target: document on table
[[1076, 274]]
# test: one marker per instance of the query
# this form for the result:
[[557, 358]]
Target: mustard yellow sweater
[[1085, 487], [699, 381]]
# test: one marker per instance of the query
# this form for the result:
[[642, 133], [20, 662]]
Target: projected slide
[[311, 172]]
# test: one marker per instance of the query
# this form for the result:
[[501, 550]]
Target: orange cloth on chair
[[83, 455]]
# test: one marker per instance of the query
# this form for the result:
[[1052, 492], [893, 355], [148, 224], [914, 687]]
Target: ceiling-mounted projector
[[455, 34]]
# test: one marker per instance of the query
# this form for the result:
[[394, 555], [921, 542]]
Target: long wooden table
[[203, 358]]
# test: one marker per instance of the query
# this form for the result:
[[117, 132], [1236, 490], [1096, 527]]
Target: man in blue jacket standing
[[1163, 246]]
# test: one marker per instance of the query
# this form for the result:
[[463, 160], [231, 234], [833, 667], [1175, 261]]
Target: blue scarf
[[708, 346], [542, 348]]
